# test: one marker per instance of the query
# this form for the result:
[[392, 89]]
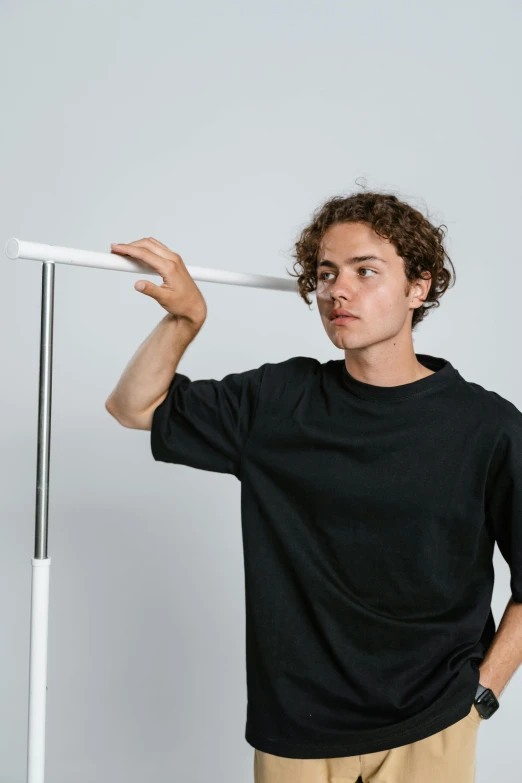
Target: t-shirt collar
[[444, 374]]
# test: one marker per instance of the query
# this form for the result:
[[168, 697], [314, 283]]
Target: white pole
[[38, 670], [35, 251], [41, 563]]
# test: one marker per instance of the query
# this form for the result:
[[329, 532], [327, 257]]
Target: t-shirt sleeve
[[504, 495], [205, 423]]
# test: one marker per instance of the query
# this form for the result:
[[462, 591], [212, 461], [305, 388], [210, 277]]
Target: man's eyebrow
[[352, 260]]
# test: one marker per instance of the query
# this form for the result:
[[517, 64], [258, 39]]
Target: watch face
[[487, 703]]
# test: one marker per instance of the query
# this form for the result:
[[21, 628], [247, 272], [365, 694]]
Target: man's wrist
[[192, 323]]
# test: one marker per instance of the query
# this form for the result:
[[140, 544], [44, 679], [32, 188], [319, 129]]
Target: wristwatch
[[485, 701]]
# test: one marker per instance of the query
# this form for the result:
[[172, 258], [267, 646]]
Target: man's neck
[[386, 373]]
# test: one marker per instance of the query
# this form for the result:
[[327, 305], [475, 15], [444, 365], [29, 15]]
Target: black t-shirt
[[369, 516]]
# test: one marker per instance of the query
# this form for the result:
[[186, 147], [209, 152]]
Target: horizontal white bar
[[36, 251]]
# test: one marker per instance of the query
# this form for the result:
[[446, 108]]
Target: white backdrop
[[217, 129]]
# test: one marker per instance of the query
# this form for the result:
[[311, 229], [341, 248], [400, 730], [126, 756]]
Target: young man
[[373, 489]]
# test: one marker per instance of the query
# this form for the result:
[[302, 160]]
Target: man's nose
[[342, 287]]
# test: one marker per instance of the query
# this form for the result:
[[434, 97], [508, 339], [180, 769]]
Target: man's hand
[[179, 294]]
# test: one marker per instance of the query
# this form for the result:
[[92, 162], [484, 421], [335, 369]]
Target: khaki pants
[[445, 757]]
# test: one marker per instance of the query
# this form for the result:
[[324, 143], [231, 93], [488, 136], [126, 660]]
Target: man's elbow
[[136, 421], [110, 408]]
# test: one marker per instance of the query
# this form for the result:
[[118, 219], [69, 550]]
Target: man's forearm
[[150, 371], [504, 654]]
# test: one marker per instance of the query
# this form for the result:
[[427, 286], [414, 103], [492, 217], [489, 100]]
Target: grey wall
[[217, 128]]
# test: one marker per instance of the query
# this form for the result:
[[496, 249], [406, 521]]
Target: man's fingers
[[152, 244], [153, 239], [179, 293], [142, 253], [138, 241]]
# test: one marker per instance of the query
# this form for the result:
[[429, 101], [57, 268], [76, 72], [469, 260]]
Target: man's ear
[[420, 287]]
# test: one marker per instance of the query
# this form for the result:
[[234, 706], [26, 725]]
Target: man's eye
[[362, 269]]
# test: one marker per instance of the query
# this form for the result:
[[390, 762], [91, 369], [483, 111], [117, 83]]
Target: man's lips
[[341, 316]]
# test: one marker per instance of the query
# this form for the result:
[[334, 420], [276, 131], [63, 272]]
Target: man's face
[[376, 291]]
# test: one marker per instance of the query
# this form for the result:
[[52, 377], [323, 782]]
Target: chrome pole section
[[44, 410], [40, 562]]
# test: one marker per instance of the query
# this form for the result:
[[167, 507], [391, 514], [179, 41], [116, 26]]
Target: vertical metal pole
[[40, 562], [44, 410]]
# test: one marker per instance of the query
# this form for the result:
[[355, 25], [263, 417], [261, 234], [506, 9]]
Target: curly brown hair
[[415, 238]]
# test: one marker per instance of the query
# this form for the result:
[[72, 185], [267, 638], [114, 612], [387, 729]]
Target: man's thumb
[[146, 287], [152, 290]]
